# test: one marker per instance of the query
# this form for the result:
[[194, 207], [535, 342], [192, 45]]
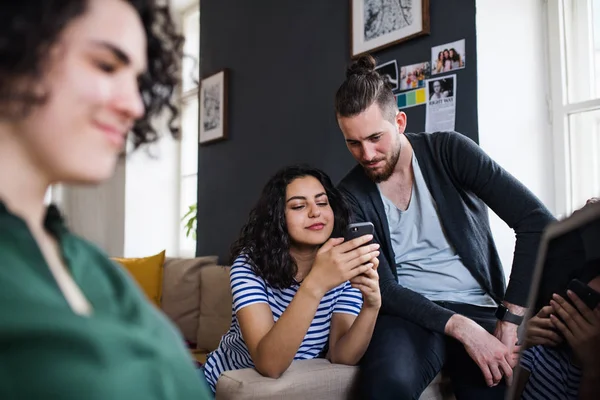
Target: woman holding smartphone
[[298, 287]]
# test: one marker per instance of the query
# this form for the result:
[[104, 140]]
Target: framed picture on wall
[[377, 24], [213, 107]]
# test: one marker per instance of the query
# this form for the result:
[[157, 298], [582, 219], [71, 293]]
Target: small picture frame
[[213, 112], [377, 24]]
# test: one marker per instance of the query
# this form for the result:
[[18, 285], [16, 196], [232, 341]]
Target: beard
[[382, 174]]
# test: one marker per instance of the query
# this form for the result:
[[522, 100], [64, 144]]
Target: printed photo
[[389, 70], [441, 88], [440, 111], [448, 57], [414, 76]]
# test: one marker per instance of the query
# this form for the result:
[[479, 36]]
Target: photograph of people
[[448, 57], [440, 88]]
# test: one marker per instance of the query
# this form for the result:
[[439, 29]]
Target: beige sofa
[[197, 298]]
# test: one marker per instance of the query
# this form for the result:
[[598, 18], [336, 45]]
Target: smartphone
[[358, 229], [589, 296]]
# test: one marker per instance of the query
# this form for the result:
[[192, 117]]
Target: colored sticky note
[[421, 98], [401, 99], [411, 98]]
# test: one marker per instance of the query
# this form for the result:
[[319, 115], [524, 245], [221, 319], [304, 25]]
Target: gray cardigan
[[462, 179]]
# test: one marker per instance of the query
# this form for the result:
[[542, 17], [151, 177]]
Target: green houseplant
[[189, 222]]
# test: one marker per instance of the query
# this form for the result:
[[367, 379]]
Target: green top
[[126, 349]]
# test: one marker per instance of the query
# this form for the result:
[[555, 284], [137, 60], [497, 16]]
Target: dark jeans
[[403, 358]]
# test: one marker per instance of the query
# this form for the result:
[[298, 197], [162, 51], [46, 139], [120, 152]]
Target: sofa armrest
[[304, 379], [308, 379]]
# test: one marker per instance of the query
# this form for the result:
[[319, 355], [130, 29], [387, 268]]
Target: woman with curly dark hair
[[297, 286], [78, 78]]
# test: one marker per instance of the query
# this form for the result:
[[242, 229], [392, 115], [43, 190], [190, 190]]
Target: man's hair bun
[[365, 65]]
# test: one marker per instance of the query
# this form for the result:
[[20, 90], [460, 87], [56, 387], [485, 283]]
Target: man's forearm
[[458, 327]]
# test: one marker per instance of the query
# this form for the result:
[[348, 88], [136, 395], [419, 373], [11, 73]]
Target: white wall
[[513, 98]]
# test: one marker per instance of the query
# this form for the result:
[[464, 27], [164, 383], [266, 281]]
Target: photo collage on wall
[[429, 83]]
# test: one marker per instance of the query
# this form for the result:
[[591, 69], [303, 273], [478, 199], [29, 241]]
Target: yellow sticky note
[[421, 96]]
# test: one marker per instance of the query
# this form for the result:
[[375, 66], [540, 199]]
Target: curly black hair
[[364, 86], [265, 239], [29, 29]]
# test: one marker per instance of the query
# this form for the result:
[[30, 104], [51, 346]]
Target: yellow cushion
[[148, 272]]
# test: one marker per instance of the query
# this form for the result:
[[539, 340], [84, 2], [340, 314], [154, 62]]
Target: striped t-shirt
[[552, 375], [247, 288]]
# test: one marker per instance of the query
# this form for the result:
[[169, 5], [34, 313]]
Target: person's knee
[[393, 383]]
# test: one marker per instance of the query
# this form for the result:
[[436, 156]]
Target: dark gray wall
[[286, 60]]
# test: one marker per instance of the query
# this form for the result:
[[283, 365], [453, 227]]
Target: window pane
[[191, 50], [582, 46], [189, 136], [584, 142], [189, 193]]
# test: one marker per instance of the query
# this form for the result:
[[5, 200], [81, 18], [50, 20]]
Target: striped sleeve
[[527, 359], [349, 301], [246, 287]]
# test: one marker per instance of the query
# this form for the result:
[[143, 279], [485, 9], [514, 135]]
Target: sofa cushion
[[215, 306], [148, 273], [181, 292], [304, 379]]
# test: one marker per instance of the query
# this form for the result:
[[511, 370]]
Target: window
[[189, 125], [574, 59]]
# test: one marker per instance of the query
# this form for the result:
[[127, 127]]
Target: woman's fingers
[[366, 281], [543, 328], [362, 278], [357, 271], [366, 257], [358, 286], [354, 244], [375, 262], [545, 311], [566, 332], [356, 251], [371, 273], [330, 244], [567, 313]]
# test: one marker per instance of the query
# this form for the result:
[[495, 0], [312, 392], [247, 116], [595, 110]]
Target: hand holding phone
[[338, 260], [367, 282], [586, 294], [580, 327], [357, 230]]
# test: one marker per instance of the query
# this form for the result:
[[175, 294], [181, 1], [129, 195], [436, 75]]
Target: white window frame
[[184, 97], [561, 108]]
